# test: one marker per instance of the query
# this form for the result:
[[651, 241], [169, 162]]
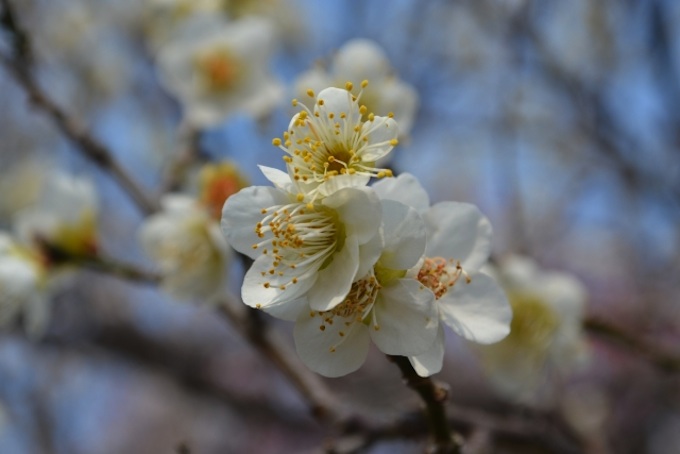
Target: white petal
[[431, 361], [359, 209], [400, 99], [262, 289], [327, 352], [361, 59], [343, 181], [405, 236], [315, 79], [338, 101], [241, 213], [335, 281], [406, 189], [288, 310], [407, 319], [380, 132], [278, 178], [478, 311], [458, 231], [369, 253]]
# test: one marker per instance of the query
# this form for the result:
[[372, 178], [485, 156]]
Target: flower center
[[218, 182], [440, 274], [354, 309], [219, 70], [533, 321], [299, 236]]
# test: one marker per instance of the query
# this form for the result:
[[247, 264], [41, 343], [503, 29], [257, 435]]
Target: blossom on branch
[[63, 216], [394, 311], [217, 69], [187, 245], [358, 60], [469, 301], [546, 341], [302, 247], [336, 143]]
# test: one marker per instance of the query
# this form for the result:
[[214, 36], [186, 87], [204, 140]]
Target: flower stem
[[434, 396]]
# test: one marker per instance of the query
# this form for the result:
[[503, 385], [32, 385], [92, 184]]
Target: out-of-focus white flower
[[362, 59], [22, 287], [331, 146], [546, 335], [64, 215], [189, 248], [458, 244], [302, 248], [220, 69], [396, 312], [218, 182]]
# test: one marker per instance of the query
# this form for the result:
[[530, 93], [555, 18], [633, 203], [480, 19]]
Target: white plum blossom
[[302, 248], [546, 341], [187, 245], [362, 59], [396, 312], [469, 301], [333, 146], [218, 69], [63, 215], [22, 287]]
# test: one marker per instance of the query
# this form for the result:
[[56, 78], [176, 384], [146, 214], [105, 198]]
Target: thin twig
[[434, 396], [664, 360], [19, 66], [252, 326]]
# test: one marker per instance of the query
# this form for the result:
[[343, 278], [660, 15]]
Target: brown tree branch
[[434, 397]]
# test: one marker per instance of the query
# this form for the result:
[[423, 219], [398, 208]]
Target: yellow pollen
[[364, 83], [258, 306], [266, 285], [390, 115], [322, 327], [363, 109], [394, 142], [310, 92], [276, 142], [349, 86], [300, 197]]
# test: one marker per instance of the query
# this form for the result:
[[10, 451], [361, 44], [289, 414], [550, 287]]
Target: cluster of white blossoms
[[352, 263], [60, 220]]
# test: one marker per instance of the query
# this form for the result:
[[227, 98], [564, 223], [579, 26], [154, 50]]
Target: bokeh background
[[560, 119]]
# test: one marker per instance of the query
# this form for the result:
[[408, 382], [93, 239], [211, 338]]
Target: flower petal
[[404, 319], [361, 59], [326, 351], [278, 178], [381, 131], [241, 213], [337, 103], [406, 189], [431, 361], [405, 236], [359, 209], [458, 231], [262, 289], [369, 253], [479, 311], [335, 281]]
